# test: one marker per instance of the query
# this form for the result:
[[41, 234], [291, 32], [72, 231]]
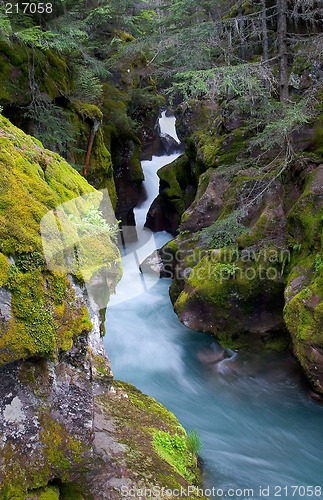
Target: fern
[[68, 39], [35, 37], [5, 26], [52, 127], [88, 87]]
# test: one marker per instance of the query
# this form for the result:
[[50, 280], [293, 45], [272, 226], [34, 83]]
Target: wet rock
[[5, 304], [154, 264], [169, 144], [212, 356]]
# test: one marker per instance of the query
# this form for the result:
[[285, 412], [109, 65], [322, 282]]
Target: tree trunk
[[241, 25], [264, 34], [282, 47], [265, 45], [94, 130]]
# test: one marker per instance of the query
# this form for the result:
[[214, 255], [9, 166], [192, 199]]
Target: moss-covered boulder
[[40, 313], [304, 293], [230, 258], [48, 68], [176, 192], [239, 301], [88, 444]]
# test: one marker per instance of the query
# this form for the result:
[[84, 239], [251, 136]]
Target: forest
[[161, 249]]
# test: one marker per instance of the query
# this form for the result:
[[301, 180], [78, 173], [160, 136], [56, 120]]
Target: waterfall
[[134, 283], [167, 126]]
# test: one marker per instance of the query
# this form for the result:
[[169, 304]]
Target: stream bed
[[262, 436]]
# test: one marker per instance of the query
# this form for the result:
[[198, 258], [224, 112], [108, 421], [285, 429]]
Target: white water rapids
[[258, 427]]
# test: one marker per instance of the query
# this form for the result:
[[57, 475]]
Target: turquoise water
[[260, 431], [257, 424]]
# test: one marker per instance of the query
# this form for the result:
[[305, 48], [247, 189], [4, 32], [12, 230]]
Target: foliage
[[287, 118], [318, 263], [5, 26], [28, 262], [194, 442], [243, 80], [223, 232], [35, 37], [94, 222], [88, 87], [52, 126], [99, 19], [68, 39], [175, 450]]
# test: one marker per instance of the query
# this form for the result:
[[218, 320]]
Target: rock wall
[[67, 429], [247, 261]]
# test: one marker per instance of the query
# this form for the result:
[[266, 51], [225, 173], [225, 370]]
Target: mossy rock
[[50, 72], [139, 422], [175, 180], [49, 493], [99, 173], [33, 181], [305, 220], [239, 301], [304, 319], [46, 315]]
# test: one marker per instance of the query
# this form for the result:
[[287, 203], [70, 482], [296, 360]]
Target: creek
[[262, 436]]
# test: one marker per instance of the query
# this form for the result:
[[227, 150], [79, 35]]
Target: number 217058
[[28, 8]]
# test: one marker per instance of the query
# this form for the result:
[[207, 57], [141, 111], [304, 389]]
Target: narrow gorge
[[161, 250]]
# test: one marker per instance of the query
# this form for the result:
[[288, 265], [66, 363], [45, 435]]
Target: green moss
[[88, 111], [27, 193], [60, 454], [227, 289], [50, 73], [209, 147], [4, 267], [49, 493], [100, 171], [46, 316], [58, 444], [69, 491], [305, 220], [172, 245], [181, 302], [139, 420], [175, 450], [137, 174], [174, 180], [101, 366], [216, 150], [115, 109]]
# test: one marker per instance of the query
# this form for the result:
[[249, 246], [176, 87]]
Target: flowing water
[[262, 437]]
